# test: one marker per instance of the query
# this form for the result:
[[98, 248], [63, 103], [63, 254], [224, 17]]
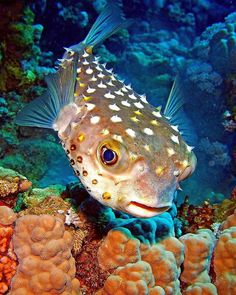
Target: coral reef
[[8, 260], [43, 249], [11, 184], [163, 261], [224, 257]]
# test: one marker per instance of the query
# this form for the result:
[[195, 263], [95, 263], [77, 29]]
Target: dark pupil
[[108, 155]]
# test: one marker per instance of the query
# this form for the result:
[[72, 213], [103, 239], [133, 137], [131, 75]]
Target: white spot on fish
[[90, 106], [130, 132], [69, 50], [117, 137], [147, 147], [176, 173], [110, 83], [78, 70], [110, 70], [114, 107], [101, 85], [143, 98], [98, 68], [116, 119], [105, 132], [89, 71], [91, 90], [148, 131], [189, 148], [170, 152], [119, 92], [124, 89], [113, 78], [85, 54], [95, 120], [128, 87], [132, 96], [175, 138], [85, 62], [157, 114], [97, 58], [93, 79], [125, 103], [138, 105], [101, 75], [109, 95], [175, 128]]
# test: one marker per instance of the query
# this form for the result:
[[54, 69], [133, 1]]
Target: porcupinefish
[[127, 153]]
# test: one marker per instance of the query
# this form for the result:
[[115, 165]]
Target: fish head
[[124, 167]]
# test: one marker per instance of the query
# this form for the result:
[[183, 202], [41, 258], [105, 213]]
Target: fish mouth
[[141, 210]]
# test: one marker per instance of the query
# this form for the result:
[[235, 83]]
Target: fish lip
[[150, 208]]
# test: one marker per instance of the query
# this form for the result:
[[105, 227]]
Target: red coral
[[8, 259]]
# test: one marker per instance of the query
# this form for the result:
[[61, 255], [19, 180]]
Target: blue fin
[[175, 113], [108, 23], [43, 111]]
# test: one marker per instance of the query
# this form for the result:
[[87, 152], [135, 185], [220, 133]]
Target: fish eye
[[108, 156]]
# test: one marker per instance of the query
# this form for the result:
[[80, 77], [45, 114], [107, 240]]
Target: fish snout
[[189, 169]]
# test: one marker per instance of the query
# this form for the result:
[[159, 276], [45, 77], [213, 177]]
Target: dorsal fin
[[43, 111], [174, 112]]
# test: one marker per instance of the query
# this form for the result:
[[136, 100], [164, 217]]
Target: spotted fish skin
[[125, 152], [152, 153]]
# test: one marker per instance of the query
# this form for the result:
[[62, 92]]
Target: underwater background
[[194, 39]]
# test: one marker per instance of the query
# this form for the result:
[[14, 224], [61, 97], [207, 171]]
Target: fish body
[[125, 152]]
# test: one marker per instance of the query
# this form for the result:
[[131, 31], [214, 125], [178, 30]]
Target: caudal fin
[[108, 23]]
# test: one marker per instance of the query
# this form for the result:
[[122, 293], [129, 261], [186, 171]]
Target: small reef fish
[[127, 153]]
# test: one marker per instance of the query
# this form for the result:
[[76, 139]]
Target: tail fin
[[108, 23]]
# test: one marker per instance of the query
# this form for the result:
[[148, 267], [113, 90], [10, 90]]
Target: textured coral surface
[[46, 265], [8, 260]]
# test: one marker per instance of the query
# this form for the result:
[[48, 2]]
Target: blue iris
[[108, 155]]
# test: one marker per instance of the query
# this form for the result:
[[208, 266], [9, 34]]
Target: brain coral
[[46, 265]]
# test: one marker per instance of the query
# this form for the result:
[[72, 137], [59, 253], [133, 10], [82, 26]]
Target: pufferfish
[[127, 153]]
